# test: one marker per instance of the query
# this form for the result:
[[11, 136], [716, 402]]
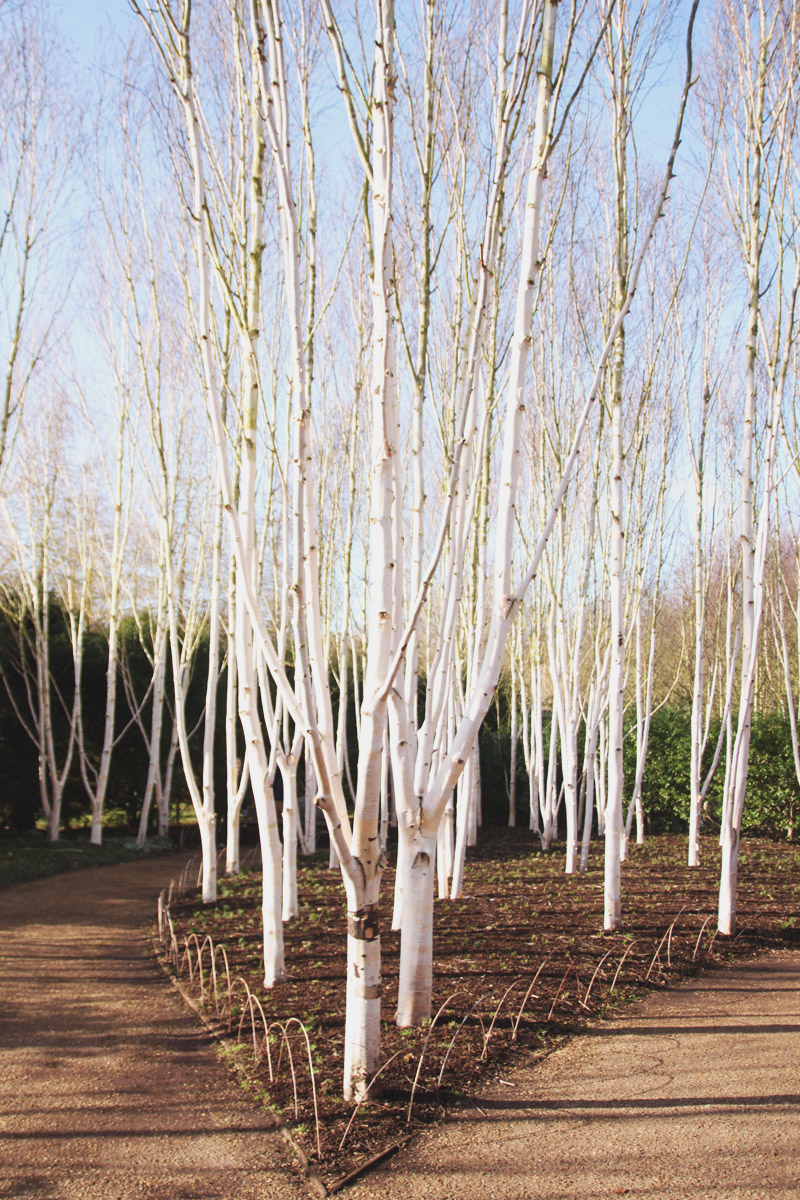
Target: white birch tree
[[428, 761], [757, 82]]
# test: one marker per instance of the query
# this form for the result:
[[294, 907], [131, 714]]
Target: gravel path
[[694, 1094], [108, 1090]]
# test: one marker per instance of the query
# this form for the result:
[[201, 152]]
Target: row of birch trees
[[365, 360]]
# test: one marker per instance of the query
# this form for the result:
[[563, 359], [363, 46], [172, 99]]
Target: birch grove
[[760, 80], [379, 370]]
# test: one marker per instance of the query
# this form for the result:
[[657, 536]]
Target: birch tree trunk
[[153, 784], [620, 74], [426, 763], [33, 613], [763, 149]]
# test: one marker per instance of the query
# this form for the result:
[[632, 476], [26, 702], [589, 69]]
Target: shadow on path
[[692, 1094], [107, 1089], [109, 1092]]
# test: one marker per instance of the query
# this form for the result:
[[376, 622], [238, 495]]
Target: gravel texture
[[108, 1087], [692, 1093]]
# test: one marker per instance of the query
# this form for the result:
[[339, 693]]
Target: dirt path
[[693, 1095], [108, 1091]]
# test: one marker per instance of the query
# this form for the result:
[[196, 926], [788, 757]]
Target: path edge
[[311, 1178]]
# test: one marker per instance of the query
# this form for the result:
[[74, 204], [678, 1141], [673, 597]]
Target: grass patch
[[24, 857]]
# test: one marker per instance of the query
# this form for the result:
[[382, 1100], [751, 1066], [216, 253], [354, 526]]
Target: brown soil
[[522, 923], [690, 1094]]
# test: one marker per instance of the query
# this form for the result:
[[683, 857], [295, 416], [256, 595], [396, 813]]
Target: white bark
[[619, 70], [153, 784], [29, 605], [416, 962], [514, 738], [425, 765], [757, 202]]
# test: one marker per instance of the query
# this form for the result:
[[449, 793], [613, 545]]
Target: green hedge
[[772, 790], [773, 794]]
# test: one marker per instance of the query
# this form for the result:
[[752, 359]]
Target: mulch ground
[[521, 963]]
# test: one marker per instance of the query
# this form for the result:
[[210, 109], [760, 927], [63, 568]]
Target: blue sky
[[83, 21]]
